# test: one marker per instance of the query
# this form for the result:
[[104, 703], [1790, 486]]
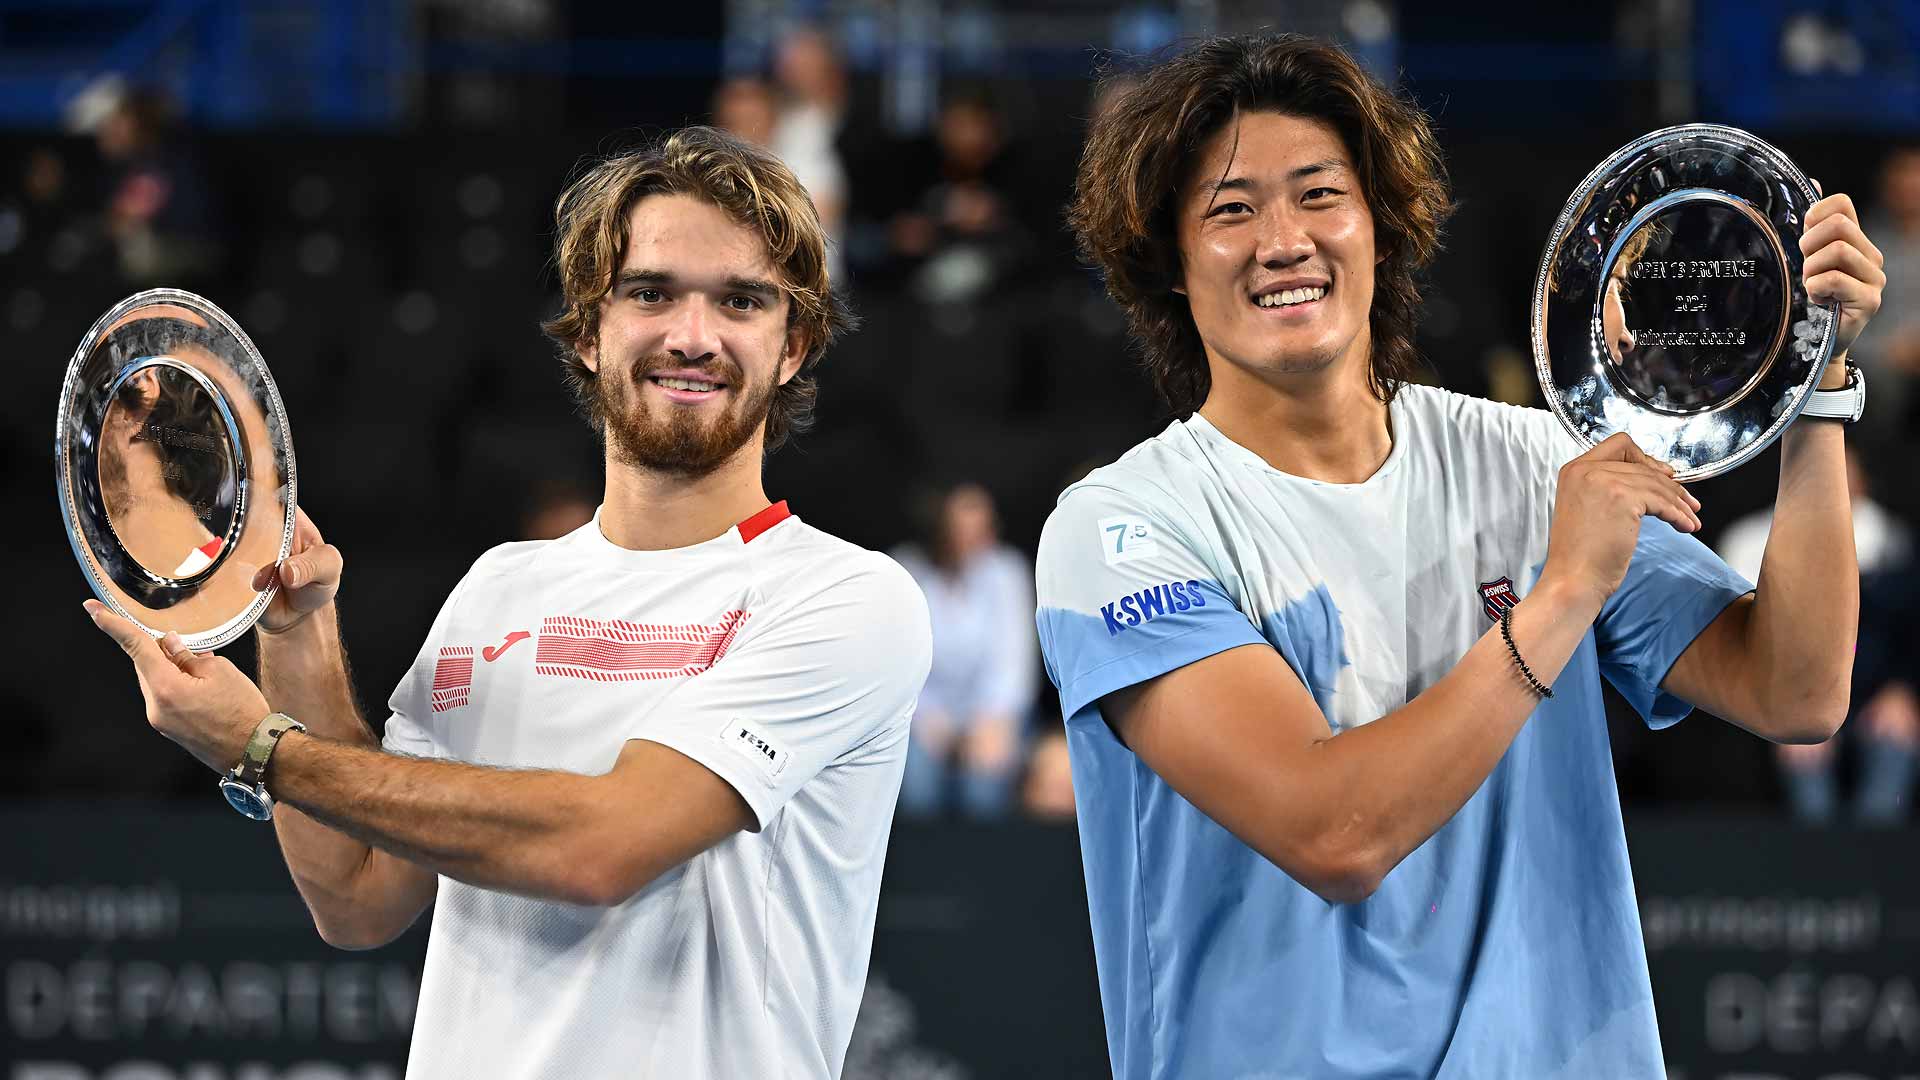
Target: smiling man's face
[[1277, 247], [693, 339]]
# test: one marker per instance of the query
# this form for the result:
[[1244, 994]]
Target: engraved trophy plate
[[1669, 303], [174, 467]]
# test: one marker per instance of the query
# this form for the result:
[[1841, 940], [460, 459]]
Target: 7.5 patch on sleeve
[[1124, 539]]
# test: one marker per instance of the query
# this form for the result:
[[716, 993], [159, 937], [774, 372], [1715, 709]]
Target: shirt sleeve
[[440, 676], [1674, 587], [811, 680], [1125, 595]]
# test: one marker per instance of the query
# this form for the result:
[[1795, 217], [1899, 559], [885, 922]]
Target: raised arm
[[1238, 735], [1780, 663], [359, 897]]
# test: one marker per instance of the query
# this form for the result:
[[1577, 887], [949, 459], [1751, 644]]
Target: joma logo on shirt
[[1149, 604]]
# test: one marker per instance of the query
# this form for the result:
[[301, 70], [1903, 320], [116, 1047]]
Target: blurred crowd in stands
[[394, 283]]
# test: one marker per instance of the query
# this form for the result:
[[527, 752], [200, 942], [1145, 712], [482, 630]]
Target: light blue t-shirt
[[1508, 944]]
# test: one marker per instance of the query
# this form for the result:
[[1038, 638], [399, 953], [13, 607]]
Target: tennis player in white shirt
[[646, 772]]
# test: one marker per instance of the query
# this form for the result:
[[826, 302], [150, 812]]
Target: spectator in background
[[158, 213], [31, 216], [1891, 353], [745, 107], [1886, 724], [963, 229], [812, 84], [968, 729]]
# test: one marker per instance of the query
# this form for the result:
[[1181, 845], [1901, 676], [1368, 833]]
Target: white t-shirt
[[785, 660]]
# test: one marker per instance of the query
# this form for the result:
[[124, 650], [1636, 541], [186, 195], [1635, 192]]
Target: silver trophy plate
[[1669, 303], [174, 467]]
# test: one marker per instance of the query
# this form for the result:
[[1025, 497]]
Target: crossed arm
[[365, 832], [1239, 736]]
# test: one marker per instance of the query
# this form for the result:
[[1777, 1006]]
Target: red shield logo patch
[[1497, 596]]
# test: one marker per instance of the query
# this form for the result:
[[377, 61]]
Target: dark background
[[375, 184]]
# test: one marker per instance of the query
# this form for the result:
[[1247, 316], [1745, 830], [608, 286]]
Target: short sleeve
[[438, 679], [1125, 595], [1674, 587], [827, 669]]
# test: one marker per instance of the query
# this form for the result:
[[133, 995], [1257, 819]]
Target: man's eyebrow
[[637, 275], [640, 276], [1314, 168], [753, 285]]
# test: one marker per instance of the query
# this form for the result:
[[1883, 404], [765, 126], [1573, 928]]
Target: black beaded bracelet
[[1506, 634]]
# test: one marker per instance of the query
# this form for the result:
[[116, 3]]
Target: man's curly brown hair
[[1140, 153], [753, 187]]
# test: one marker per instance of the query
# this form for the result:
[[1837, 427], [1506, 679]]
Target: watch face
[[246, 800]]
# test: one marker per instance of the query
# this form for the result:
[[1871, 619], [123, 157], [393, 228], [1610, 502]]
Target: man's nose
[[692, 335], [1283, 240]]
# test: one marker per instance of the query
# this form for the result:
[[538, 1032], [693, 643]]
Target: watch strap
[[1844, 404], [266, 735]]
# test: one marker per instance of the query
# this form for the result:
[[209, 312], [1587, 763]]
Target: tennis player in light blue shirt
[[1330, 647]]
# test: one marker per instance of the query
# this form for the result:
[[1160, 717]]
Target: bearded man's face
[[693, 340]]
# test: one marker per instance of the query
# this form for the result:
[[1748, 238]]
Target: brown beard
[[685, 444]]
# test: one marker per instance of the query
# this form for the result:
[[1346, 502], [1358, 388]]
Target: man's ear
[[793, 354], [589, 352]]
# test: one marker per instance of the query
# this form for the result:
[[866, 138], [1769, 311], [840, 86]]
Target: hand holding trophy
[[1671, 302], [175, 468]]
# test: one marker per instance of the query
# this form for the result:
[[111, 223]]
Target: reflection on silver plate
[[174, 467], [1669, 303]]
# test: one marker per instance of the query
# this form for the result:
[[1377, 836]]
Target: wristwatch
[[1845, 404], [246, 787]]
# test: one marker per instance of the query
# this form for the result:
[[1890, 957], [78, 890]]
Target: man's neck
[[648, 510], [1330, 429]]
